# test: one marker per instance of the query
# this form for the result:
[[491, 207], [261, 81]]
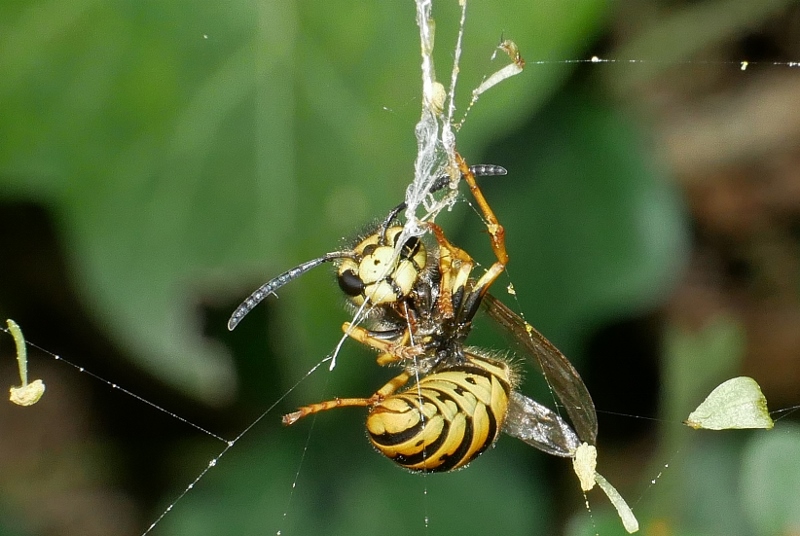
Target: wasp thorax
[[375, 274]]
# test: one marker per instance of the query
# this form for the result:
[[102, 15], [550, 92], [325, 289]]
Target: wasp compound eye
[[411, 247], [350, 283]]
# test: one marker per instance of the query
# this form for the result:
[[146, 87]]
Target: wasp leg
[[455, 266], [393, 350], [496, 231], [387, 390]]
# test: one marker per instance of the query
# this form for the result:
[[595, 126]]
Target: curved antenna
[[277, 282]]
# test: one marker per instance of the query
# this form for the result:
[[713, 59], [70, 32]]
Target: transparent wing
[[560, 374], [539, 427]]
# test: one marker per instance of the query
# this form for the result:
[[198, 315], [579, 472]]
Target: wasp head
[[375, 274]]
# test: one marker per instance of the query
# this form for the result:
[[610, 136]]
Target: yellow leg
[[455, 265], [496, 231], [393, 351], [391, 386]]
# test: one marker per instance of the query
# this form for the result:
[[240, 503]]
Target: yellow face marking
[[376, 275], [377, 265]]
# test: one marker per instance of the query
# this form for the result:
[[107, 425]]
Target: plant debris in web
[[436, 130], [26, 394], [584, 463]]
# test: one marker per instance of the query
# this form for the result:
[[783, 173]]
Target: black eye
[[411, 247], [350, 283]]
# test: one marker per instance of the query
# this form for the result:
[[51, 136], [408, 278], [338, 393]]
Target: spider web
[[436, 138]]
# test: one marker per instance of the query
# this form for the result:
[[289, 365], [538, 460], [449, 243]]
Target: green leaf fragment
[[770, 481], [735, 404], [22, 350]]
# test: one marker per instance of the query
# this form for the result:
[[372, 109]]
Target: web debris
[[584, 463], [436, 129]]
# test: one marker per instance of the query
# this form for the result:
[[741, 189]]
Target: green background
[[163, 159]]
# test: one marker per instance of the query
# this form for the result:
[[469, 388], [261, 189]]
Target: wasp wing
[[559, 372], [539, 427]]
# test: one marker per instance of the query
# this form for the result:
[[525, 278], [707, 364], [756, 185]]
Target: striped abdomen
[[447, 419]]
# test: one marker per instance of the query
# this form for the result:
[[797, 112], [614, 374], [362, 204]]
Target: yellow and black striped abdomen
[[447, 419]]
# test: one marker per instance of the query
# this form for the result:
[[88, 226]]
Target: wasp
[[421, 300]]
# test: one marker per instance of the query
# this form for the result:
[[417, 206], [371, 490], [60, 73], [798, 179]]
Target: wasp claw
[[291, 418]]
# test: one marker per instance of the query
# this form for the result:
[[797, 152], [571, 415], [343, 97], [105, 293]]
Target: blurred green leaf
[[695, 362], [602, 520], [682, 32], [705, 504], [266, 485], [595, 229], [186, 148], [770, 481]]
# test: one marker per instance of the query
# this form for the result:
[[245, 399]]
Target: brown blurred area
[[732, 138]]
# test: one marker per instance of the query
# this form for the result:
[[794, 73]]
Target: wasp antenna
[[479, 170], [488, 170], [390, 217], [277, 282]]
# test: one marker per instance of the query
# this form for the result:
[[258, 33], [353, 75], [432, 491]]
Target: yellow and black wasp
[[421, 299]]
